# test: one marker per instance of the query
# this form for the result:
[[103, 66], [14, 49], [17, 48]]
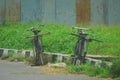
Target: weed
[[4, 56], [89, 69], [18, 57], [30, 60], [60, 40], [115, 68], [13, 57]]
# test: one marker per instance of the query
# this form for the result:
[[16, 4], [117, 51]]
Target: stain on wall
[[2, 11], [12, 9], [30, 10], [83, 11], [61, 11]]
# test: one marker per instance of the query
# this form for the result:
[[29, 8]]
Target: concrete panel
[[30, 10], [83, 11], [114, 12], [66, 11], [48, 11], [12, 10], [97, 12], [2, 11], [1, 52]]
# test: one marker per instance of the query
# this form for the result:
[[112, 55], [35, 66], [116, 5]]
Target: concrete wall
[[2, 11], [12, 10], [97, 12], [30, 10], [48, 11], [105, 12], [66, 11], [60, 11], [114, 12]]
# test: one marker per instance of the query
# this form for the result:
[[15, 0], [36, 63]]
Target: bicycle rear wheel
[[38, 52], [78, 58]]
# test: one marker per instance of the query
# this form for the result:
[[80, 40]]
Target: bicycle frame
[[38, 49], [37, 46], [81, 45], [80, 49]]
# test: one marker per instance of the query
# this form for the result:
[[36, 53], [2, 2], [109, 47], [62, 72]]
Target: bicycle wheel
[[85, 51], [39, 56], [39, 51], [78, 53]]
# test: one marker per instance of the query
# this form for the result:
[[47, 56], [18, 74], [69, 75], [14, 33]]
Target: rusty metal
[[12, 10], [77, 12], [83, 11], [2, 11]]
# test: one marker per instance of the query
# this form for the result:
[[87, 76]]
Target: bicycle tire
[[40, 49], [78, 53], [38, 52]]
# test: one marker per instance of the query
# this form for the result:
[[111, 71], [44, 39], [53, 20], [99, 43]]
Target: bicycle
[[37, 46], [81, 46]]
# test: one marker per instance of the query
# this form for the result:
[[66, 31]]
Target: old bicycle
[[81, 45], [37, 46]]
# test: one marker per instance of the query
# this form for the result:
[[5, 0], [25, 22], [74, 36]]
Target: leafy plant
[[4, 56], [30, 60], [115, 68], [13, 57], [60, 40], [89, 69], [18, 57]]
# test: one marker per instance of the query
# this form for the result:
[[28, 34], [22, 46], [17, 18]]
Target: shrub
[[89, 69], [13, 57], [4, 56], [75, 69], [30, 60], [18, 57], [115, 68], [60, 40]]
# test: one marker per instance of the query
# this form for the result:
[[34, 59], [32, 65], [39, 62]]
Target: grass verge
[[60, 40], [89, 69], [13, 57]]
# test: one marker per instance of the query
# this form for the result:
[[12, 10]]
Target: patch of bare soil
[[52, 70], [56, 68], [46, 69]]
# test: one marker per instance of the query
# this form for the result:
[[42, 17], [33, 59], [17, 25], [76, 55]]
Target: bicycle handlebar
[[74, 34], [80, 28], [92, 39], [77, 35], [88, 39], [40, 35], [45, 34], [41, 25], [33, 29]]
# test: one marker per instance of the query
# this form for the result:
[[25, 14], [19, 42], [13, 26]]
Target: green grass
[[105, 71], [115, 68], [110, 37], [89, 69], [13, 57], [60, 40]]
